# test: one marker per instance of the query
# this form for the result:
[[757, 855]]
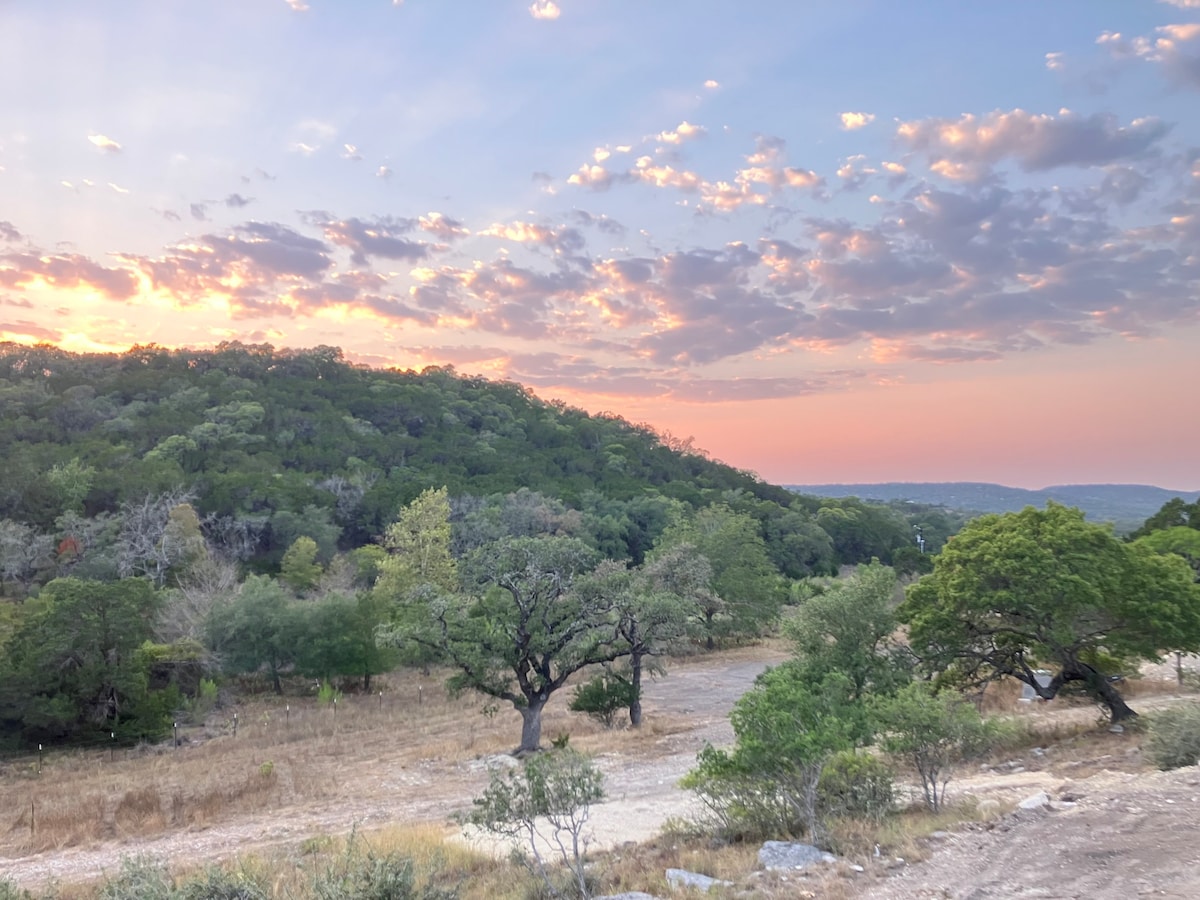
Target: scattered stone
[[1117, 729], [629, 895], [1040, 800], [939, 835], [682, 878], [897, 863], [789, 855], [857, 868]]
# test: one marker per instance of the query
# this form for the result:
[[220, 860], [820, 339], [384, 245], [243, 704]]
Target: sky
[[845, 241]]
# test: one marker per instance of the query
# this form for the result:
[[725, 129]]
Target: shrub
[[10, 891], [932, 731], [547, 802], [604, 697], [139, 878], [787, 728], [1174, 739], [362, 874], [217, 884], [855, 785]]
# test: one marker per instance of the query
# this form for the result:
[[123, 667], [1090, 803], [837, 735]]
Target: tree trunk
[[635, 678], [1103, 690], [1098, 686], [531, 727]]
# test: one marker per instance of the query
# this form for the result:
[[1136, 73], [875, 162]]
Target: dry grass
[[286, 751]]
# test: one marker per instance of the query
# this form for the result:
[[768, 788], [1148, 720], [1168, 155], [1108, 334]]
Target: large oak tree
[[1043, 588]]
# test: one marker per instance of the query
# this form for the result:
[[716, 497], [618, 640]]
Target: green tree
[[255, 630], [527, 630], [1044, 588], [335, 637], [71, 482], [1182, 541], [849, 628], [652, 606], [931, 731], [746, 590], [1178, 539], [72, 665], [667, 592], [418, 547], [787, 727], [299, 568], [1175, 513]]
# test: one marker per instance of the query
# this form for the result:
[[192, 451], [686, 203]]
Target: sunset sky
[[832, 241]]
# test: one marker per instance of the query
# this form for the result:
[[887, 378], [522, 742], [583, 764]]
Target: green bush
[[933, 731], [604, 697], [139, 878], [217, 884], [546, 803], [787, 729], [10, 891], [1174, 738], [855, 785], [362, 874]]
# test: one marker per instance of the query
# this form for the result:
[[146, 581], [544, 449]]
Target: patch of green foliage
[[603, 697], [1173, 740]]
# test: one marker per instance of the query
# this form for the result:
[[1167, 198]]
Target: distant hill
[[1125, 505]]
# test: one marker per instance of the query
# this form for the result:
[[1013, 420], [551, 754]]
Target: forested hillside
[[267, 444], [168, 517]]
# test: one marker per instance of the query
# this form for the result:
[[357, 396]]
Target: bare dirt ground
[[1121, 835], [1113, 830]]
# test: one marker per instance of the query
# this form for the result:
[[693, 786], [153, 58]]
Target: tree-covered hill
[[268, 444]]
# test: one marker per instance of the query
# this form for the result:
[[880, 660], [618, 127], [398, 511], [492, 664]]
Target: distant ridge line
[[1125, 505]]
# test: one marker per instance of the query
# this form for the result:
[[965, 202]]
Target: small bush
[[1174, 739], [362, 874], [10, 891], [855, 785], [546, 802], [217, 884], [140, 878], [604, 697]]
